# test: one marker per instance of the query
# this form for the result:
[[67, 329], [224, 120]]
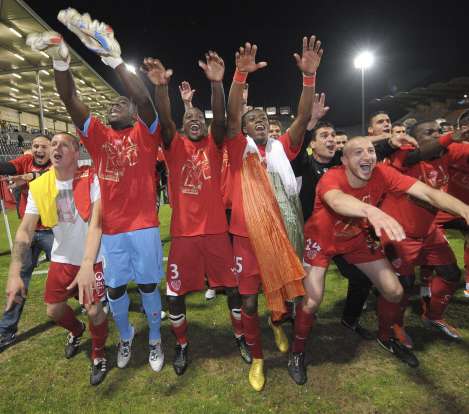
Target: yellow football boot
[[280, 337], [256, 374]]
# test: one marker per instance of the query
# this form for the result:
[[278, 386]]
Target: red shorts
[[60, 276], [192, 258], [246, 266], [362, 251], [432, 250]]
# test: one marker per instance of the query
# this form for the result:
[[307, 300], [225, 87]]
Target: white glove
[[53, 44], [96, 36]]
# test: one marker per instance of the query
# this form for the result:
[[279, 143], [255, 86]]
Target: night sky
[[415, 44]]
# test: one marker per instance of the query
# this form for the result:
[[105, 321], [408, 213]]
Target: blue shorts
[[135, 255]]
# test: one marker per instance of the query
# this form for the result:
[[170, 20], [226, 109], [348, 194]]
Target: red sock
[[303, 323], [402, 308], [388, 315], [235, 315], [466, 261], [98, 339], [180, 331], [442, 292], [426, 273], [70, 322], [252, 334]]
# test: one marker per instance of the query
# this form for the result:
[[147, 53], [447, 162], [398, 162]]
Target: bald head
[[356, 142]]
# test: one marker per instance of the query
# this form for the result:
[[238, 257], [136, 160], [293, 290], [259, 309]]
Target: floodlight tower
[[363, 60]]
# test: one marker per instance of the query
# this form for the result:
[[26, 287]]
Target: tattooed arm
[[16, 290]]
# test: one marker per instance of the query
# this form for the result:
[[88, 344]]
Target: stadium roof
[[456, 89], [19, 66]]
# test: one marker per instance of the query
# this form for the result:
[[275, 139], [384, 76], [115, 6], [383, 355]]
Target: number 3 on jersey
[[174, 271]]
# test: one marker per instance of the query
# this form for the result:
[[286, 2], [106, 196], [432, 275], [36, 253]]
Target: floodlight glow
[[271, 110], [15, 32], [208, 114], [364, 60], [285, 110], [131, 68]]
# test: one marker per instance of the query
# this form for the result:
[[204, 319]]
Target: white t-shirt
[[70, 232]]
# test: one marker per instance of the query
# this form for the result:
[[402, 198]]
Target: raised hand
[[318, 110], [96, 36], [246, 59], [186, 91], [311, 56], [214, 68], [156, 72], [51, 43]]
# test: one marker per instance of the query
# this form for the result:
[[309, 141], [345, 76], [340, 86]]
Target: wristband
[[446, 139], [113, 62], [60, 65], [309, 80], [240, 77]]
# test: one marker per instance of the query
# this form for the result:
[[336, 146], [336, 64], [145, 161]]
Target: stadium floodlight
[[131, 68], [208, 114], [16, 75], [271, 110], [18, 56], [364, 60], [15, 32], [285, 110]]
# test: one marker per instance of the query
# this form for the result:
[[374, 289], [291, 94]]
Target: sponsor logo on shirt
[[194, 172], [118, 155]]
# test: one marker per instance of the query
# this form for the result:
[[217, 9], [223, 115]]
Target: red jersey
[[25, 164], [125, 164], [331, 230], [236, 147], [195, 181], [417, 217]]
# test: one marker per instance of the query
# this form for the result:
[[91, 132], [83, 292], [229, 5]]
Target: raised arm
[[308, 64], [160, 76], [439, 199], [99, 38], [214, 69], [349, 206], [187, 93], [53, 44], [245, 63], [85, 278], [15, 290]]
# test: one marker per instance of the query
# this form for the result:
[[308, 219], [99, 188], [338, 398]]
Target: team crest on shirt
[[194, 172], [99, 278], [119, 154], [175, 285]]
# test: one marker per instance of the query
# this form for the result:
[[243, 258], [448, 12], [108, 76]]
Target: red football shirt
[[195, 180], [25, 164], [125, 163], [339, 233], [236, 147], [417, 217]]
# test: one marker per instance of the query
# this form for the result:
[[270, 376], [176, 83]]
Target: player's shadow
[[38, 329]]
